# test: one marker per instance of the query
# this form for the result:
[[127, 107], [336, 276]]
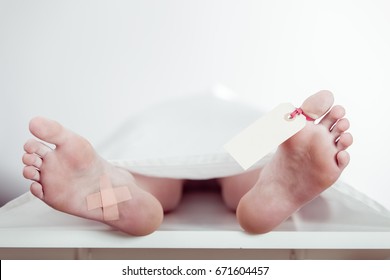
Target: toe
[[331, 118], [32, 160], [318, 104], [344, 141], [33, 146], [342, 159], [48, 130], [31, 173], [340, 127], [37, 190]]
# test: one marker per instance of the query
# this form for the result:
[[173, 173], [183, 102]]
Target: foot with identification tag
[[310, 157]]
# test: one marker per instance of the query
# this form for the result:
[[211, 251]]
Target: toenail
[[36, 176], [38, 162]]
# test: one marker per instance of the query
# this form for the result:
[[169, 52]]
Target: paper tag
[[264, 135]]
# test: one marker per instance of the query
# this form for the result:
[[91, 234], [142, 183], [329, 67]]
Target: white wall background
[[91, 64]]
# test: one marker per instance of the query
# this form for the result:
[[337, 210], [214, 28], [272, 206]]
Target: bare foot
[[64, 177], [302, 167]]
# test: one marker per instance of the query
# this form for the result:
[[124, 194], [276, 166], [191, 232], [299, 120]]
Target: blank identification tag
[[264, 135]]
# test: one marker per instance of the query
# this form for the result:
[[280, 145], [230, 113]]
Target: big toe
[[318, 104], [48, 130]]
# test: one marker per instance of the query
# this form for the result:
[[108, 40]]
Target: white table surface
[[202, 221]]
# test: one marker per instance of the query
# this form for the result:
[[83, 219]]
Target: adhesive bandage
[[108, 198]]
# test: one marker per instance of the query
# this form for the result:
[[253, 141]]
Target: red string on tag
[[299, 111]]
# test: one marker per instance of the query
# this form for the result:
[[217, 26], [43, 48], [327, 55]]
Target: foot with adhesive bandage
[[72, 178], [302, 167]]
